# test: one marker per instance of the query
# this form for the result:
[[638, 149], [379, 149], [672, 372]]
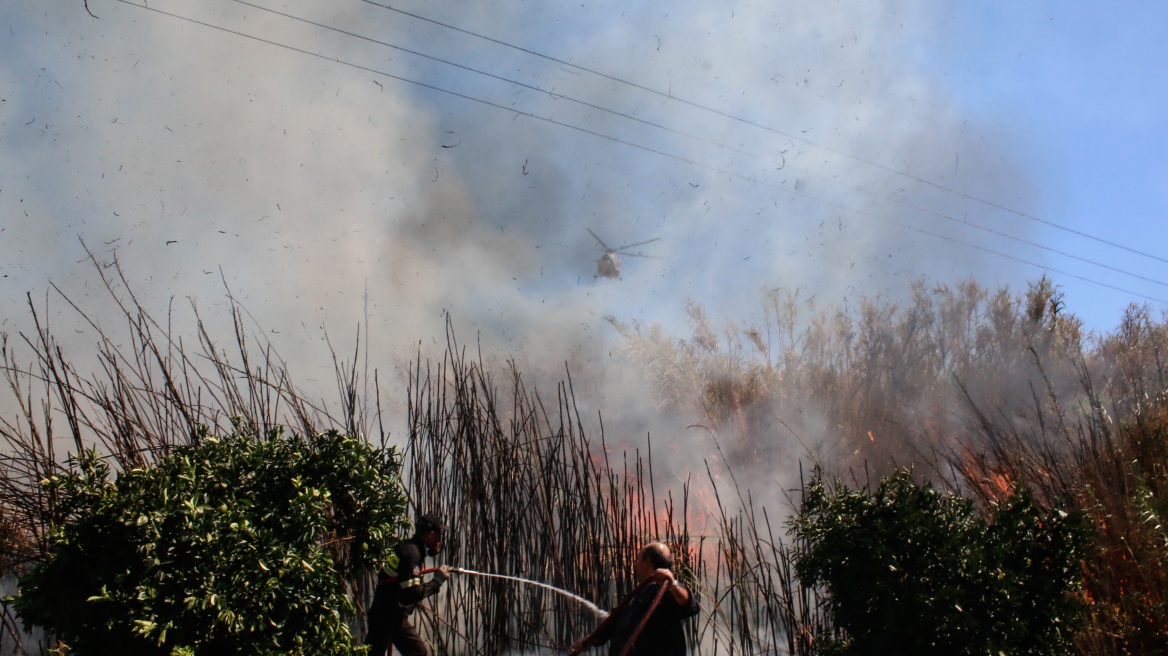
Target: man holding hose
[[647, 622], [400, 588]]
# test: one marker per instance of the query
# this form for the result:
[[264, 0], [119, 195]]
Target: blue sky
[[840, 150], [1076, 86]]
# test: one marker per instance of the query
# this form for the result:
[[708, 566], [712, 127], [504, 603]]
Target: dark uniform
[[662, 635], [398, 593]]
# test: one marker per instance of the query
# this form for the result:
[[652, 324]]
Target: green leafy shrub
[[911, 570], [233, 546]]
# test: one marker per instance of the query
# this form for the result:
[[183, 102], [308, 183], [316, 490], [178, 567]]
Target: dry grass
[[528, 491], [881, 387], [981, 392], [531, 494]]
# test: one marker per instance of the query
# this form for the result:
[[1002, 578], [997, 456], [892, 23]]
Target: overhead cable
[[648, 149], [755, 124]]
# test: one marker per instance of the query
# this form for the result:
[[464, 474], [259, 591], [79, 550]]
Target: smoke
[[328, 196]]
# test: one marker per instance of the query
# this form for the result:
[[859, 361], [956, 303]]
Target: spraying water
[[588, 604]]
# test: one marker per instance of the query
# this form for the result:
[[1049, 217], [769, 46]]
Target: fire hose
[[382, 580], [611, 616], [616, 612], [645, 620]]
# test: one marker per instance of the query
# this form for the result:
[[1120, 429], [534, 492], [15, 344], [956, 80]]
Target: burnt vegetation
[[988, 396]]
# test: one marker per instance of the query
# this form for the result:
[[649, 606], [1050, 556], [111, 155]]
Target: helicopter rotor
[[598, 239], [621, 249]]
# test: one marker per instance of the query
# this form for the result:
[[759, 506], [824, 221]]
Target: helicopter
[[608, 266]]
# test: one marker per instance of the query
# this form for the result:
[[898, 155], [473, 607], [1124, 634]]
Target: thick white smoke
[[324, 192]]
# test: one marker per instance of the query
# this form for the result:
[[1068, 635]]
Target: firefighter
[[649, 621], [400, 588]]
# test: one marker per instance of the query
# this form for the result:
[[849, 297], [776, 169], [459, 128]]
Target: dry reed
[[528, 492]]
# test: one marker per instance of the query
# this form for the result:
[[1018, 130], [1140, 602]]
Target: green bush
[[911, 570], [234, 546]]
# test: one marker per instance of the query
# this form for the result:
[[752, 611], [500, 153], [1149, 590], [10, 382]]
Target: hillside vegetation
[[991, 405], [986, 393]]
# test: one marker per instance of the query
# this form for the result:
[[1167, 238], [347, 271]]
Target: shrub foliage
[[236, 545], [911, 570]]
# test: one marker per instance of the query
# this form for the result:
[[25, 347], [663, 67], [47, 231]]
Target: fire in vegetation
[[988, 394]]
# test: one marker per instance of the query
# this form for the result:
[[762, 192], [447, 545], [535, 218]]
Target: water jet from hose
[[587, 604]]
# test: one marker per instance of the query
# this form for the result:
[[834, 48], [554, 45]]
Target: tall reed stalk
[[529, 493], [527, 490]]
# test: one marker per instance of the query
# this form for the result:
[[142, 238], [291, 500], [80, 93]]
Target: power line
[[500, 78], [739, 119], [691, 136], [1030, 243], [679, 158], [1018, 259]]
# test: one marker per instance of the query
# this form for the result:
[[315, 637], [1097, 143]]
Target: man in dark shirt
[[400, 587], [648, 622]]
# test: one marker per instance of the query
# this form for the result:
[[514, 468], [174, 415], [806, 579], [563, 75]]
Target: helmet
[[429, 522]]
